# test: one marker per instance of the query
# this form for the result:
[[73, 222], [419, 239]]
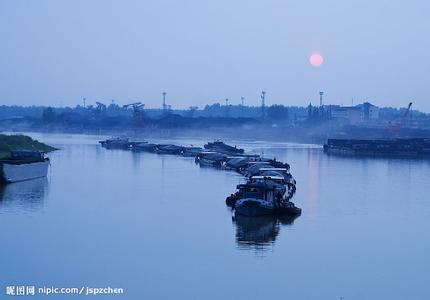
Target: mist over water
[[158, 226]]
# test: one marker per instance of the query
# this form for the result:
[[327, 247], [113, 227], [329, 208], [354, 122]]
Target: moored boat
[[210, 159], [168, 149], [408, 147], [262, 196], [116, 143], [23, 165], [191, 151], [238, 163], [221, 147], [144, 146]]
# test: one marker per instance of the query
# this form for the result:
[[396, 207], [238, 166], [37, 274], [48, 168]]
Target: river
[[158, 227]]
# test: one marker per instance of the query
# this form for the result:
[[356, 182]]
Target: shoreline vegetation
[[14, 142]]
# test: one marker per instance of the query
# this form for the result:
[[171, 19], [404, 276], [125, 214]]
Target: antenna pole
[[164, 102], [263, 104]]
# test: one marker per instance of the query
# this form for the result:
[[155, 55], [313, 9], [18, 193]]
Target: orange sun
[[316, 60]]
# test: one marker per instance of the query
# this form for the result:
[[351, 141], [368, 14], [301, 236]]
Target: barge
[[221, 147], [416, 147], [264, 196], [116, 143]]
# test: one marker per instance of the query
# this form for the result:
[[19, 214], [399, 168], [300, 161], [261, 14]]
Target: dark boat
[[169, 149], [416, 147], [116, 143], [219, 146], [144, 146], [191, 151], [210, 159], [239, 163], [264, 196]]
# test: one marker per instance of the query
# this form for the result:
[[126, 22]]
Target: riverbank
[[13, 142]]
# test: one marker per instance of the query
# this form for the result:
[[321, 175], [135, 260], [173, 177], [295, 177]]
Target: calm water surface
[[158, 227]]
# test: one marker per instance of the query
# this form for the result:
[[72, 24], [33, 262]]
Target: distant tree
[[49, 115], [277, 112]]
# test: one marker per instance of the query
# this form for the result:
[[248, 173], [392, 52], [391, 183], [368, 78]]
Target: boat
[[191, 151], [278, 182], [413, 147], [168, 149], [210, 159], [263, 196], [238, 163], [221, 147], [253, 168], [23, 165], [116, 143], [144, 146], [288, 178]]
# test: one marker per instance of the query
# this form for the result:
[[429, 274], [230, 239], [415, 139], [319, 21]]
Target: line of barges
[[269, 184]]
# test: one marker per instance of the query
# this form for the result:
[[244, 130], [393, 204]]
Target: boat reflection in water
[[24, 196], [259, 233]]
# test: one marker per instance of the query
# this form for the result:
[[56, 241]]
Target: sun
[[316, 60]]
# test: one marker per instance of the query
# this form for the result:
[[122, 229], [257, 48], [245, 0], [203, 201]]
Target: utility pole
[[263, 104], [242, 100], [84, 99], [164, 102], [226, 108]]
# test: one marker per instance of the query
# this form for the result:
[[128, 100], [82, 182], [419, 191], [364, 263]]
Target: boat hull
[[25, 171], [111, 146], [253, 211], [209, 163], [254, 208]]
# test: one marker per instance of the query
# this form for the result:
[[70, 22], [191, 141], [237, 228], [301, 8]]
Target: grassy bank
[[21, 142]]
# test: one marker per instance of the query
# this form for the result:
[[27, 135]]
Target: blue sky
[[57, 52]]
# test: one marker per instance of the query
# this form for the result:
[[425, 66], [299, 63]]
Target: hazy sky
[[56, 52]]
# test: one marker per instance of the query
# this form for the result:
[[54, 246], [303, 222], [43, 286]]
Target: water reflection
[[25, 196], [259, 233]]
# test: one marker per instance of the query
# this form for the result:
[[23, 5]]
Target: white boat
[[24, 165]]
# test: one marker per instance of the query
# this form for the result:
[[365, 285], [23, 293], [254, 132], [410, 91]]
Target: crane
[[394, 127], [137, 109], [100, 106], [408, 110]]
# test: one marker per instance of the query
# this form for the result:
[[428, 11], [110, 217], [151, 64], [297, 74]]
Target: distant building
[[369, 112], [362, 113]]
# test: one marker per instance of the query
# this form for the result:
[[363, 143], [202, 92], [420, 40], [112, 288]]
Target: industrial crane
[[137, 110], [100, 108], [394, 127]]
